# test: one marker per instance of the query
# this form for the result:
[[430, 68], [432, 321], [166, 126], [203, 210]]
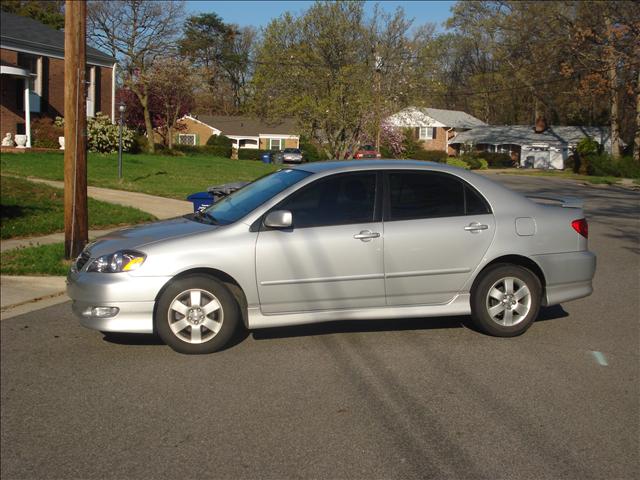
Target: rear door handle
[[366, 235], [475, 227]]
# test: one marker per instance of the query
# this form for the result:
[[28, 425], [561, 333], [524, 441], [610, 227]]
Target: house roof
[[26, 35], [248, 126], [526, 135], [417, 117]]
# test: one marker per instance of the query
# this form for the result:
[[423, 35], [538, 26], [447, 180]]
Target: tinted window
[[476, 205], [245, 200], [424, 195], [338, 200]]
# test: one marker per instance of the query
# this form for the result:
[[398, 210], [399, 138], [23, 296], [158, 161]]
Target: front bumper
[[134, 297], [568, 275]]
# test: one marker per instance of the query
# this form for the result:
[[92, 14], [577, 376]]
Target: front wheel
[[196, 314], [506, 300]]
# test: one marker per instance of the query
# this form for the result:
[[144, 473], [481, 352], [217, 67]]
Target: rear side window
[[414, 195], [337, 200]]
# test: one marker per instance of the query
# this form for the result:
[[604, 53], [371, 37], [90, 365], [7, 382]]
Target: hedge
[[430, 155], [252, 154], [496, 160]]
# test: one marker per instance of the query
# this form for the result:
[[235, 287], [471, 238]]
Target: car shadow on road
[[353, 326], [142, 339], [339, 326]]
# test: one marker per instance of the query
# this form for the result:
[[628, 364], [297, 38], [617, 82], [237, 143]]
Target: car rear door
[[332, 258], [437, 229]]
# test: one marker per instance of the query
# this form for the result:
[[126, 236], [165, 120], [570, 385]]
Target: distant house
[[548, 149], [32, 70], [434, 127], [246, 132]]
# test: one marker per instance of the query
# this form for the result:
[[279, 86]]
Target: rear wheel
[[506, 300], [196, 314]]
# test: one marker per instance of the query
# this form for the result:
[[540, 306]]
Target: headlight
[[124, 261]]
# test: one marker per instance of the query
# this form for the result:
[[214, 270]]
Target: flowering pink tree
[[393, 138]]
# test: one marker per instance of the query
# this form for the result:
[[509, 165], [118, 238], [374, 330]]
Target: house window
[[187, 139], [427, 133], [276, 143]]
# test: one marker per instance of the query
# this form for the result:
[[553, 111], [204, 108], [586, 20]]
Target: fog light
[[101, 312]]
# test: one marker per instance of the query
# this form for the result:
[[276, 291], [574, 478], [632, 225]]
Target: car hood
[[137, 237]]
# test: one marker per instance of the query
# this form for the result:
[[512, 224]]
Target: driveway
[[419, 398]]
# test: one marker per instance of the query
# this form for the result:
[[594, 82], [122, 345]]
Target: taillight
[[581, 226], [358, 155]]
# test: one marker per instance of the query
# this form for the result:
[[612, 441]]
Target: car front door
[[437, 230], [332, 257]]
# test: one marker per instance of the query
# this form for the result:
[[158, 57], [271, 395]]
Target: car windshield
[[367, 147], [248, 198], [291, 150]]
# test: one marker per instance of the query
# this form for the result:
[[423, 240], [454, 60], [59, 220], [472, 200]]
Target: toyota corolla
[[338, 241]]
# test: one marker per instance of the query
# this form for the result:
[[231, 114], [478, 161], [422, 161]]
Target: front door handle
[[366, 235], [475, 227]]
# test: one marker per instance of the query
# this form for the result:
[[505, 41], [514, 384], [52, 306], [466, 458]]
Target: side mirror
[[279, 219]]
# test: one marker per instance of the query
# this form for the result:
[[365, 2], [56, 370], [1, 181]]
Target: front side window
[[414, 195], [337, 200], [250, 197]]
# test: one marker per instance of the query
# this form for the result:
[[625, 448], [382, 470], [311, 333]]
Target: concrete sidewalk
[[25, 294], [159, 207]]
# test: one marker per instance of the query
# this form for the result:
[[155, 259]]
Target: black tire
[[501, 317], [225, 319]]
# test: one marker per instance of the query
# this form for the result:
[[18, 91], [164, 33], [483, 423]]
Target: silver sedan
[[338, 241]]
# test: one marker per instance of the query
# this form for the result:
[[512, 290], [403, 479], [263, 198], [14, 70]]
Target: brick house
[[246, 132], [434, 128], [32, 75]]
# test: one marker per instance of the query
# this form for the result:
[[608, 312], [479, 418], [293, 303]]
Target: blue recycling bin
[[201, 200], [266, 158]]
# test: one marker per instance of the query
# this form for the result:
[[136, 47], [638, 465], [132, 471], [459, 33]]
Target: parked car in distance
[[331, 241], [289, 155], [366, 151]]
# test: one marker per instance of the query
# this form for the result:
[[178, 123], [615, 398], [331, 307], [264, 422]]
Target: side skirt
[[460, 305]]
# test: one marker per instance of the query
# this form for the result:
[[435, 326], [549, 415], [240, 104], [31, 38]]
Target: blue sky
[[259, 13]]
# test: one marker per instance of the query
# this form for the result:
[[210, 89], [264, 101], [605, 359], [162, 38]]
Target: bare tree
[[136, 32]]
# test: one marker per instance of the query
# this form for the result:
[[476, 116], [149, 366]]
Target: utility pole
[[76, 233]]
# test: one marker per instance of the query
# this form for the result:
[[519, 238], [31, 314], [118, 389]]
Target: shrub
[[496, 160], [102, 135], [587, 147], [430, 155], [140, 144], [309, 152], [251, 154], [605, 166], [45, 133], [213, 150], [219, 141], [457, 162], [410, 145]]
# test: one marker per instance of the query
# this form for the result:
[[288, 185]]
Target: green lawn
[[30, 209], [174, 177], [41, 260]]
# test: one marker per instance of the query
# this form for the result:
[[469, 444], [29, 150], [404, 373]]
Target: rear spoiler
[[566, 202]]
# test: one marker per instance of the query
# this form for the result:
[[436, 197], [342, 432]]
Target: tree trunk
[[170, 135], [636, 138], [144, 101], [613, 87]]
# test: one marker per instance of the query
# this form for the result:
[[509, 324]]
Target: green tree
[[223, 53], [335, 70], [49, 12]]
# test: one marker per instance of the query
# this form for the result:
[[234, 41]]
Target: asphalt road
[[426, 398]]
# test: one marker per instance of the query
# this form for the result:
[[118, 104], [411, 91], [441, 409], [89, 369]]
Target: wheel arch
[[223, 277], [519, 260]]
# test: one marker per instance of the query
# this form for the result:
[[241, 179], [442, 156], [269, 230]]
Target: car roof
[[337, 165]]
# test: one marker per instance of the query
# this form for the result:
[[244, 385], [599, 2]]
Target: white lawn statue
[[7, 141]]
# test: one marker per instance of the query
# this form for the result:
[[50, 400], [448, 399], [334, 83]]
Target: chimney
[[541, 124]]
